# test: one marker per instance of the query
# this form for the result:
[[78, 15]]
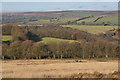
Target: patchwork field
[[62, 17], [111, 19], [57, 68]]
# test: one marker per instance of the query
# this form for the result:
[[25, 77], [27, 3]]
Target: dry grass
[[55, 68]]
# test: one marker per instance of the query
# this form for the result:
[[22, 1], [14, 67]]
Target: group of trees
[[6, 29], [27, 44], [38, 50], [58, 31]]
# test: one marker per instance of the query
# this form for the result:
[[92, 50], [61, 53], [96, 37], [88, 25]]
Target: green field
[[64, 17], [40, 22], [6, 38], [113, 19], [51, 40], [89, 20], [45, 39], [91, 29], [61, 20]]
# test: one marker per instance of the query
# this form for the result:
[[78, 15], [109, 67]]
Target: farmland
[[92, 29], [112, 19], [61, 17]]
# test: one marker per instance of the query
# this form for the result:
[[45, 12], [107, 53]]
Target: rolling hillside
[[60, 17]]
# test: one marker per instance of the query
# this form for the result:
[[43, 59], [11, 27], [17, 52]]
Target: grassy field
[[72, 16], [91, 29], [112, 19], [40, 22], [89, 20], [61, 20], [106, 18], [56, 68], [45, 39], [6, 38], [50, 40]]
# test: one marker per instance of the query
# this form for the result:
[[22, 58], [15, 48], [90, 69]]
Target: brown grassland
[[59, 69]]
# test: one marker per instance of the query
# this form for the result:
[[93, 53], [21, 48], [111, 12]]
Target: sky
[[52, 5], [60, 0]]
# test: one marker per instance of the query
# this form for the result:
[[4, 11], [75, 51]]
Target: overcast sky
[[58, 5]]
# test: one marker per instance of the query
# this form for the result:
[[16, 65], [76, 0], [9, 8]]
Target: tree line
[[38, 50]]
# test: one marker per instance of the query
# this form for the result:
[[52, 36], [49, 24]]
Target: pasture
[[91, 29], [50, 40], [39, 22], [60, 21], [6, 38], [111, 19]]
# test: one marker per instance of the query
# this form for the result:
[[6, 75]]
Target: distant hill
[[51, 12], [61, 17]]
